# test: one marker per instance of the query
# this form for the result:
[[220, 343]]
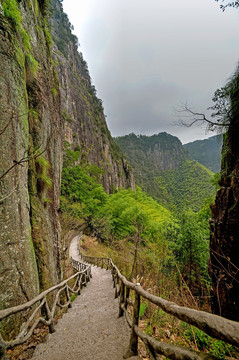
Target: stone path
[[90, 330]]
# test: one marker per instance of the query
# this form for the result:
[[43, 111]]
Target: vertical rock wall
[[224, 245], [85, 124], [31, 127]]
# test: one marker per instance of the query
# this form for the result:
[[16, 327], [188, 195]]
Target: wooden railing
[[42, 311], [215, 326]]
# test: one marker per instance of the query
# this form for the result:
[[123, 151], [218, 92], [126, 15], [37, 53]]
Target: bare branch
[[22, 161], [193, 117]]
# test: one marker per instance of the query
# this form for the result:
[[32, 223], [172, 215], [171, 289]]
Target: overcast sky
[[147, 57]]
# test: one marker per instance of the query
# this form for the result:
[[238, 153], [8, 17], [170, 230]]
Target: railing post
[[116, 287], [121, 299], [133, 342], [68, 298], [126, 298], [84, 283], [88, 274], [113, 277], [78, 284], [46, 312]]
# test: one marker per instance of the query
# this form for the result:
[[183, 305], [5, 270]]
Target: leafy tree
[[81, 194], [190, 246]]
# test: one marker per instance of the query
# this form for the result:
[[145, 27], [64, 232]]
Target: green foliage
[[186, 186], [207, 152], [204, 342], [190, 247], [65, 31], [73, 297], [81, 193], [46, 201], [71, 156], [226, 105], [54, 91], [142, 309], [79, 187], [12, 12], [128, 210], [48, 36]]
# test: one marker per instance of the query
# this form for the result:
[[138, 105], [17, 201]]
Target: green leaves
[[79, 187], [82, 195], [130, 211], [186, 186]]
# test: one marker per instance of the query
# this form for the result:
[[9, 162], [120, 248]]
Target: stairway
[[90, 330]]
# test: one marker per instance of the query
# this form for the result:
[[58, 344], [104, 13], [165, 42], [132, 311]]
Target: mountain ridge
[[207, 152], [161, 165]]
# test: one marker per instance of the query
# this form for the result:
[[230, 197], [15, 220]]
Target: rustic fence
[[40, 308], [213, 325]]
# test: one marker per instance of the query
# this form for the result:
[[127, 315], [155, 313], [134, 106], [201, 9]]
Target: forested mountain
[[60, 163], [152, 154], [162, 168], [207, 152]]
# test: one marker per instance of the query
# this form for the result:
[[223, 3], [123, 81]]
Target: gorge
[[53, 134]]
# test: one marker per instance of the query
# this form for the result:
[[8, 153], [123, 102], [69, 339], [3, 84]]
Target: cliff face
[[224, 244], [35, 116], [154, 153], [31, 133], [85, 124], [150, 156]]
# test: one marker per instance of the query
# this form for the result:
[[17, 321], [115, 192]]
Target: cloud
[[146, 57]]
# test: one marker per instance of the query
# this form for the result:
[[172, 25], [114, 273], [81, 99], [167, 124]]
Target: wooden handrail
[[214, 325], [81, 278]]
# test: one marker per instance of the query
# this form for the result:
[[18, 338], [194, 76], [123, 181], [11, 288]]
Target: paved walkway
[[90, 330]]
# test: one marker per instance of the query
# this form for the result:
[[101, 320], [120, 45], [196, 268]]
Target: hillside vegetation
[[186, 186], [154, 237], [207, 152], [166, 252], [162, 169]]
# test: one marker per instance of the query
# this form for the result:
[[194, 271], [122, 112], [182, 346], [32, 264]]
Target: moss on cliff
[[87, 126], [31, 117]]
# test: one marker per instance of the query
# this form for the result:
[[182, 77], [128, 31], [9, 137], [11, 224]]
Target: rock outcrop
[[35, 116], [31, 128], [85, 125], [224, 243], [155, 153]]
